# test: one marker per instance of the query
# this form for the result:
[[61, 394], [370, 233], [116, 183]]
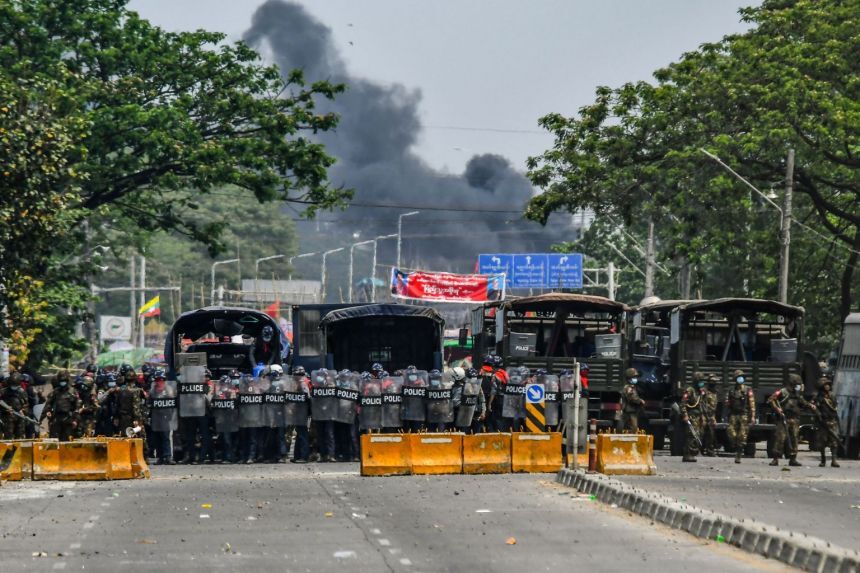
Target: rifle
[[695, 434], [9, 409], [791, 443]]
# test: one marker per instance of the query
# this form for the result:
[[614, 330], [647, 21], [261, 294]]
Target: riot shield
[[370, 412], [392, 400], [192, 391], [224, 407], [551, 398], [347, 396], [323, 396], [162, 408], [296, 400], [251, 404], [439, 406], [273, 404], [513, 397], [468, 403], [414, 396]]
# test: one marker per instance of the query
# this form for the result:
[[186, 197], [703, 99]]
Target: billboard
[[535, 270], [115, 327]]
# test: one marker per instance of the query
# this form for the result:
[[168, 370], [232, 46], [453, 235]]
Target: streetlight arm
[[744, 181]]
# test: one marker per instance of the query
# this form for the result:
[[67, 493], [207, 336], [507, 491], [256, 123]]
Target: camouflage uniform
[[692, 416], [709, 420], [740, 404], [631, 404], [128, 408], [62, 407], [788, 402], [88, 410], [827, 431], [16, 400]]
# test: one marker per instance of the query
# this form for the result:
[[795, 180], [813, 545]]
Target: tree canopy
[[790, 82], [111, 123]]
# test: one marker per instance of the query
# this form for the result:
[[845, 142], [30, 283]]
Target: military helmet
[[713, 379], [795, 379], [824, 381], [698, 377], [125, 369], [737, 373], [299, 371], [61, 375], [631, 373]]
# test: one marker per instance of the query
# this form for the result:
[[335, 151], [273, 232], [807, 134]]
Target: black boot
[[793, 462], [823, 459], [833, 462]]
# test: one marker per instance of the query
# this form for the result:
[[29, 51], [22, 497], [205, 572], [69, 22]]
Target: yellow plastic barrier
[[437, 453], [16, 456], [385, 455], [625, 454], [536, 453], [119, 459], [70, 461], [139, 467], [487, 454]]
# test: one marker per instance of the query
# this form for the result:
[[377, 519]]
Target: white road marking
[[384, 542], [483, 511], [405, 561], [395, 551], [75, 546], [59, 565], [344, 555]]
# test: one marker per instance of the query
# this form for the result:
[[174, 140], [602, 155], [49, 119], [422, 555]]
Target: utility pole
[[351, 255], [785, 228], [400, 232], [373, 264], [650, 261], [141, 320], [322, 272], [131, 314], [610, 282]]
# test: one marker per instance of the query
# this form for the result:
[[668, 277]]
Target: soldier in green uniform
[[61, 409], [827, 433], [692, 415], [89, 407], [709, 417], [15, 399], [788, 402], [740, 404], [631, 404], [128, 405]]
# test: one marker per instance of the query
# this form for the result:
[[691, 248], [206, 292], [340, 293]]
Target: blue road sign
[[530, 271], [534, 393], [494, 264], [565, 270]]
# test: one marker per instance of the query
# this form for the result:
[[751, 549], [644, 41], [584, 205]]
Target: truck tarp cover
[[572, 302], [745, 305], [395, 335]]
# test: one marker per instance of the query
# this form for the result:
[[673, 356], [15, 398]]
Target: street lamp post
[[290, 262], [215, 264], [257, 272], [322, 272], [373, 264], [784, 212], [400, 232], [351, 252]]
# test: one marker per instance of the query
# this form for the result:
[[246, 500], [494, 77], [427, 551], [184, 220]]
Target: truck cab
[[554, 331]]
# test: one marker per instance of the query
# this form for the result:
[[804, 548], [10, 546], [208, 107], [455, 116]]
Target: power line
[[485, 129]]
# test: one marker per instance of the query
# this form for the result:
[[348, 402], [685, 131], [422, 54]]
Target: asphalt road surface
[[320, 518], [822, 502]]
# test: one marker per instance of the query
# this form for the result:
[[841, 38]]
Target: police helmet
[[489, 360], [125, 369], [458, 374], [583, 367], [366, 375], [435, 372], [159, 374], [376, 367], [540, 372], [631, 373], [471, 373], [299, 371]]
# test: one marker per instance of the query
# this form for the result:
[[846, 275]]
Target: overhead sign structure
[[447, 287], [535, 270], [535, 408], [115, 327]]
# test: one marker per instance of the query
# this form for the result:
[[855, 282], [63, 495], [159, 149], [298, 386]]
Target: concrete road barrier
[[625, 454], [487, 454], [385, 455], [437, 453], [536, 453]]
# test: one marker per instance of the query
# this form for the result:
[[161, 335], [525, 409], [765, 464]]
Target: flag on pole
[[151, 308]]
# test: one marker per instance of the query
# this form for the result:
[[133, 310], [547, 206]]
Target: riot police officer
[[275, 442], [164, 417], [297, 410]]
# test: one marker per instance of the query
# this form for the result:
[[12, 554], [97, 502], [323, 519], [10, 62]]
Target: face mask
[[235, 383], [797, 388], [63, 384], [700, 384], [634, 380], [111, 384], [740, 379]]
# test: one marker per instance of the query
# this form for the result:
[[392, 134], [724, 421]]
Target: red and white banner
[[447, 287]]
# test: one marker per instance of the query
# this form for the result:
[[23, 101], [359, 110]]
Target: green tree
[[789, 82], [154, 121]]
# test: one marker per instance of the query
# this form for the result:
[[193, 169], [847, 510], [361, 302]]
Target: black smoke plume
[[374, 144]]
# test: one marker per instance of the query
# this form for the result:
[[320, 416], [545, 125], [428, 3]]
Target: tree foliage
[[114, 124], [791, 81]]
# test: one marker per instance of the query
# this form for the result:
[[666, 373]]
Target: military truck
[[846, 386], [308, 340], [394, 335], [763, 338], [555, 330]]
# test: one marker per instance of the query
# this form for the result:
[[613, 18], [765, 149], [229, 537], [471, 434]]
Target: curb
[[792, 548]]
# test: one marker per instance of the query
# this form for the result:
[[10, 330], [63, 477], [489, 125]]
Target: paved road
[[325, 518], [823, 502]]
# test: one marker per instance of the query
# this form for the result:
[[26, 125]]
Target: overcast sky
[[488, 69]]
